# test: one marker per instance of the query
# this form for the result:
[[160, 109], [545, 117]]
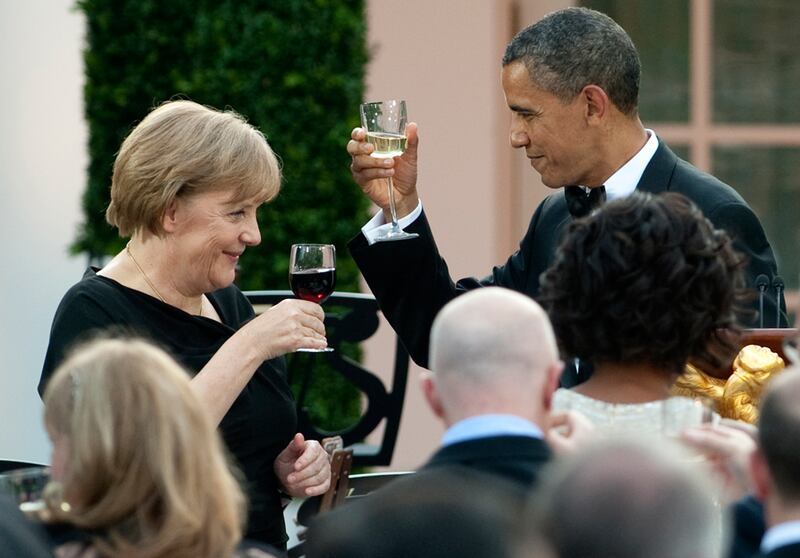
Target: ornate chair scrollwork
[[350, 317]]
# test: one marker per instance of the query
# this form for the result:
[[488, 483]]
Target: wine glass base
[[307, 350], [394, 235]]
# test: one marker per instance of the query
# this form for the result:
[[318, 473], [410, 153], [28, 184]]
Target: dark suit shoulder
[[707, 191], [496, 445], [788, 551], [514, 458], [668, 172], [748, 527], [553, 209]]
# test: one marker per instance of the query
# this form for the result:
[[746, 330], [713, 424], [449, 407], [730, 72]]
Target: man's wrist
[[371, 228], [402, 208]]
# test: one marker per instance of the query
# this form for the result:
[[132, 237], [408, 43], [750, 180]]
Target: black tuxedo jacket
[[748, 527], [788, 551], [411, 281], [517, 459]]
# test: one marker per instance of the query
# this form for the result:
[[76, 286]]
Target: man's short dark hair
[[779, 433], [575, 47], [646, 279]]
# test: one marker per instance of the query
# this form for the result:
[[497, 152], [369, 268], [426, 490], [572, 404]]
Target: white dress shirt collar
[[623, 182], [484, 426]]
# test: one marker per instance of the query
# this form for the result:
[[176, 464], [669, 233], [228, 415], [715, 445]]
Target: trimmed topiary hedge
[[293, 68]]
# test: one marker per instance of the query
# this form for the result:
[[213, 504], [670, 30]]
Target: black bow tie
[[580, 202]]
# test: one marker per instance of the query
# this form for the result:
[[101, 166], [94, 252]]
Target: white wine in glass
[[387, 145], [385, 124]]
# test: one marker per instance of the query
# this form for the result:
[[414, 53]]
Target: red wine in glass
[[312, 275], [314, 285]]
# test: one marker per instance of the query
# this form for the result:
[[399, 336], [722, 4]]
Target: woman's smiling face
[[208, 233]]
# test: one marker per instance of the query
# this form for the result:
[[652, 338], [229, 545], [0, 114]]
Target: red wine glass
[[312, 275]]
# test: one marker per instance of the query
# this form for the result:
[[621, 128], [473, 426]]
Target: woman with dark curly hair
[[638, 288]]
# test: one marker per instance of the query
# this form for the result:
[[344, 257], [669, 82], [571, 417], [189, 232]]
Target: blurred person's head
[[644, 280], [776, 463], [137, 457], [571, 81], [492, 351], [437, 513], [627, 499]]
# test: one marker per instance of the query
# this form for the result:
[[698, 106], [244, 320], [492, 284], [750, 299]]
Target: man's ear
[[552, 377], [760, 475], [428, 385], [597, 103]]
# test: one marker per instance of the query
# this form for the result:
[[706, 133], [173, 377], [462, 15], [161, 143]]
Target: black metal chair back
[[351, 317]]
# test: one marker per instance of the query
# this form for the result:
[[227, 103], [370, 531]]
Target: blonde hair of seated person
[[145, 467]]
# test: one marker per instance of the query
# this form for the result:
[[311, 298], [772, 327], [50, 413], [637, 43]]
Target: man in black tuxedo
[[494, 368], [571, 82], [775, 466]]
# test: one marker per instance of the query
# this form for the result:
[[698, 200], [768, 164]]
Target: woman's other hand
[[303, 468]]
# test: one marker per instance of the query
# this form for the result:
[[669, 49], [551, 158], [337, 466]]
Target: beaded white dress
[[664, 417]]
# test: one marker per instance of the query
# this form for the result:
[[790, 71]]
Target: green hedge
[[293, 68]]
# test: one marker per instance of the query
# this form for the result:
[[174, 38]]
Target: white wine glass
[[312, 276], [680, 413], [385, 124]]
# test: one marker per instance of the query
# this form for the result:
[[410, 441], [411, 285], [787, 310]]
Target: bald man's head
[[492, 345]]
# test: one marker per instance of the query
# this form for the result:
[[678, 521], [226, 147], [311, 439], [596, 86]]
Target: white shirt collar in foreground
[[484, 426]]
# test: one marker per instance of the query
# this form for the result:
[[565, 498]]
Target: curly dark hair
[[645, 279]]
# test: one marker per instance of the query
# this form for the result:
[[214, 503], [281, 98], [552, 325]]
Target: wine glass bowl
[[312, 275], [313, 285], [680, 413], [386, 144], [385, 125], [25, 485]]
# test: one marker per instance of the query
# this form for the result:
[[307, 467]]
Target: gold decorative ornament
[[737, 397]]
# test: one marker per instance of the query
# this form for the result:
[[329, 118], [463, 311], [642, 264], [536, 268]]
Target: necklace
[[150, 283]]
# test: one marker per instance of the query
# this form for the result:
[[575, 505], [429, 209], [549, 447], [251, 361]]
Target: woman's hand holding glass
[[286, 327]]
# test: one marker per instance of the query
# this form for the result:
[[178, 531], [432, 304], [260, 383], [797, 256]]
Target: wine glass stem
[[392, 208]]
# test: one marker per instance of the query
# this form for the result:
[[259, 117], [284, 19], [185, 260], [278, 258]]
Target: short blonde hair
[[183, 148], [146, 466]]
